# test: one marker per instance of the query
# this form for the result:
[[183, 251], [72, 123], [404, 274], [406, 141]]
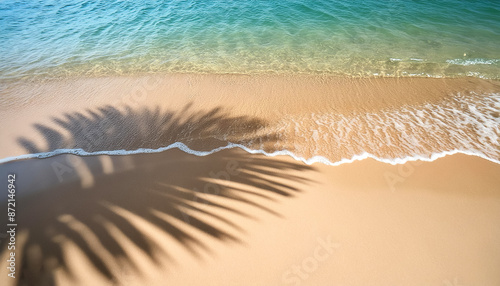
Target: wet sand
[[272, 112]]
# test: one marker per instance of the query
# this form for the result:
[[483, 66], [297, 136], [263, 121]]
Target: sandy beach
[[231, 217]]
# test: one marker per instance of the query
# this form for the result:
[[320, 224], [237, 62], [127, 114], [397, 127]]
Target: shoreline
[[308, 161], [46, 78], [267, 113]]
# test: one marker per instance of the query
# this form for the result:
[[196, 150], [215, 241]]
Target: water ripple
[[73, 37]]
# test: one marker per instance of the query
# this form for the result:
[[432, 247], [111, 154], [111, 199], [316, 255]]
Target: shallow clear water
[[355, 38]]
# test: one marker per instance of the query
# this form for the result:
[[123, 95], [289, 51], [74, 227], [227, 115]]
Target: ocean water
[[448, 38]]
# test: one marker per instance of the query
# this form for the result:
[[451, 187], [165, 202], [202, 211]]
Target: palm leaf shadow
[[172, 191], [108, 128]]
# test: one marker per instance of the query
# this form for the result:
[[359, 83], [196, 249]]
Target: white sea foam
[[470, 62], [469, 124], [308, 161]]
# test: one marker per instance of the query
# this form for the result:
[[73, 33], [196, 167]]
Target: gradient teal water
[[354, 38]]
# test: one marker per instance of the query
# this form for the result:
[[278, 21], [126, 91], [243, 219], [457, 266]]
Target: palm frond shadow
[[109, 128], [184, 196]]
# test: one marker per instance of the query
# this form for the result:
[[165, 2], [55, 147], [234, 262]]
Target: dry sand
[[165, 219]]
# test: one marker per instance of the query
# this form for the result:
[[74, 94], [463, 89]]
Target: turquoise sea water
[[354, 38]]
